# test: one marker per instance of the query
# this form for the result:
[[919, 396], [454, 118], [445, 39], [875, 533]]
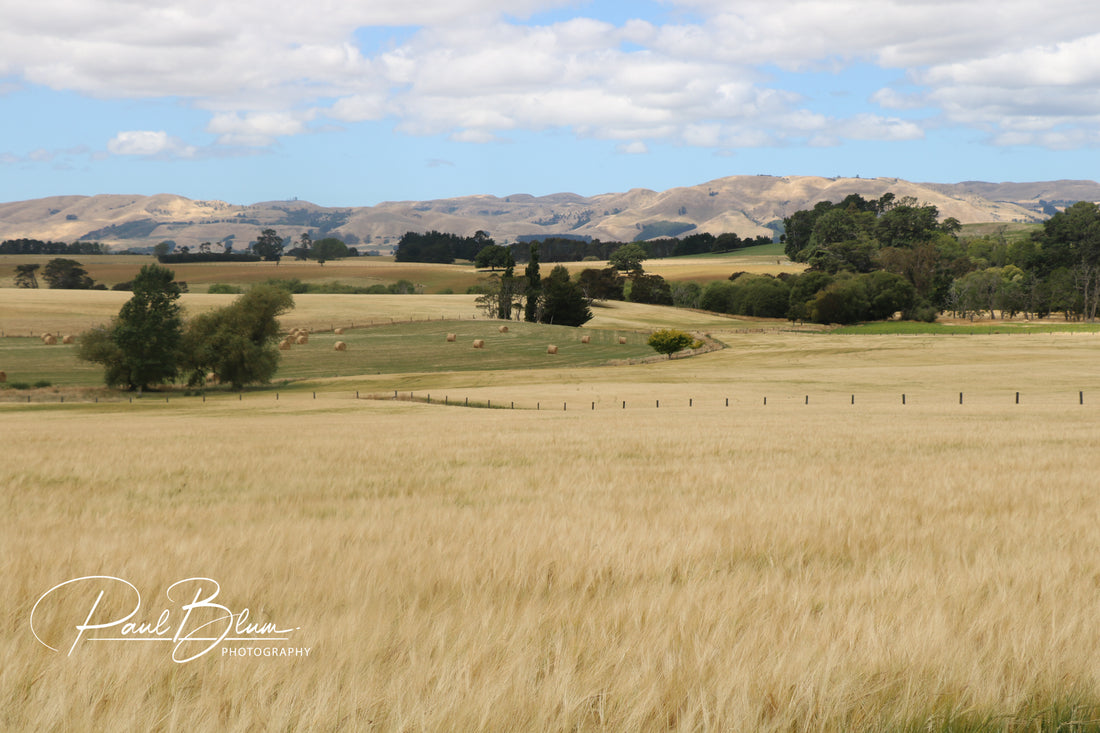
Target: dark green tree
[[534, 286], [652, 289], [563, 302], [141, 347], [492, 256], [65, 274], [603, 284], [628, 257], [25, 277], [237, 343], [269, 246], [329, 248]]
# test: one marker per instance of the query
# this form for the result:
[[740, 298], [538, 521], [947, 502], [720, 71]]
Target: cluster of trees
[[269, 246], [38, 247], [149, 343], [446, 248], [551, 299], [1056, 269], [59, 273], [439, 247]]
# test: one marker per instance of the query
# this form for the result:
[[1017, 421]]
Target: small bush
[[224, 289], [42, 384], [19, 385]]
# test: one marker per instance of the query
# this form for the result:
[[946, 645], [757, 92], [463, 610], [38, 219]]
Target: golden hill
[[745, 205]]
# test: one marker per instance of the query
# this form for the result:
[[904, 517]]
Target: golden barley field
[[815, 556]]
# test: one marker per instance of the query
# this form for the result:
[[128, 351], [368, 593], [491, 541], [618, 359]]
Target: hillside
[[745, 205]]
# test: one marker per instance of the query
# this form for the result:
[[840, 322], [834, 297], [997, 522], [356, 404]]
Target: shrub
[[224, 289]]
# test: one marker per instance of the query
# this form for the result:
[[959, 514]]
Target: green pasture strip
[[388, 349], [422, 347], [915, 327], [27, 360]]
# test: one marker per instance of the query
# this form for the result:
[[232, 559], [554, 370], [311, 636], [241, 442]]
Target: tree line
[[897, 251], [447, 248], [39, 247]]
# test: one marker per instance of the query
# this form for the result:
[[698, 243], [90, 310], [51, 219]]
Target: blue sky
[[258, 100]]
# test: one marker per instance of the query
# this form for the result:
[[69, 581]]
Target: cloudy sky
[[345, 102]]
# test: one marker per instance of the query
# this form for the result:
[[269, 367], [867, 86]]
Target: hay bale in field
[[451, 337], [45, 336], [503, 329], [338, 331], [49, 339], [69, 340], [340, 346], [551, 349], [586, 339], [622, 339], [479, 343], [302, 339], [3, 377], [284, 345]]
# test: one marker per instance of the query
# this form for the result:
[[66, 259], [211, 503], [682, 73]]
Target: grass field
[[367, 271], [810, 555]]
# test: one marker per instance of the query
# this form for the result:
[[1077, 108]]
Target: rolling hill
[[745, 205]]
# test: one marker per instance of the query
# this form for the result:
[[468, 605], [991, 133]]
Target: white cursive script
[[203, 625]]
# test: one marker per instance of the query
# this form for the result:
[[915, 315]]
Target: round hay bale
[[284, 345], [551, 349], [338, 331], [503, 329], [3, 377], [68, 340], [479, 343], [49, 339], [302, 339], [340, 346], [622, 339], [586, 339], [45, 336], [451, 337]]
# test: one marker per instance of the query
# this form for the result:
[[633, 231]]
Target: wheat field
[[805, 564]]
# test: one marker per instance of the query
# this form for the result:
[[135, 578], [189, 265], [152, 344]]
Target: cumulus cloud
[[149, 143], [266, 69]]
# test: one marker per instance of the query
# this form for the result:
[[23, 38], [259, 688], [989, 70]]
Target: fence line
[[833, 399]]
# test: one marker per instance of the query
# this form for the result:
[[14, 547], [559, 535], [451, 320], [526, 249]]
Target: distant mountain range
[[745, 205]]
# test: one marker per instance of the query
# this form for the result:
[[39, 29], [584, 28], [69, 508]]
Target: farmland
[[761, 537]]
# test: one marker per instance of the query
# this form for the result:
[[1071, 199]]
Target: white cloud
[[149, 143], [472, 73], [635, 148], [256, 129]]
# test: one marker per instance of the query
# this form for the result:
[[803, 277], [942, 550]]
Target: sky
[[353, 103]]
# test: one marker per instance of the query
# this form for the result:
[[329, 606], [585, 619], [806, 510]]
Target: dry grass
[[784, 567], [489, 570]]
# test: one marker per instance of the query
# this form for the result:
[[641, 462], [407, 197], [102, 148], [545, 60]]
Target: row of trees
[[447, 248], [38, 247], [149, 343]]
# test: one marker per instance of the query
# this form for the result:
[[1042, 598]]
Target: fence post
[[960, 398], [903, 398]]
